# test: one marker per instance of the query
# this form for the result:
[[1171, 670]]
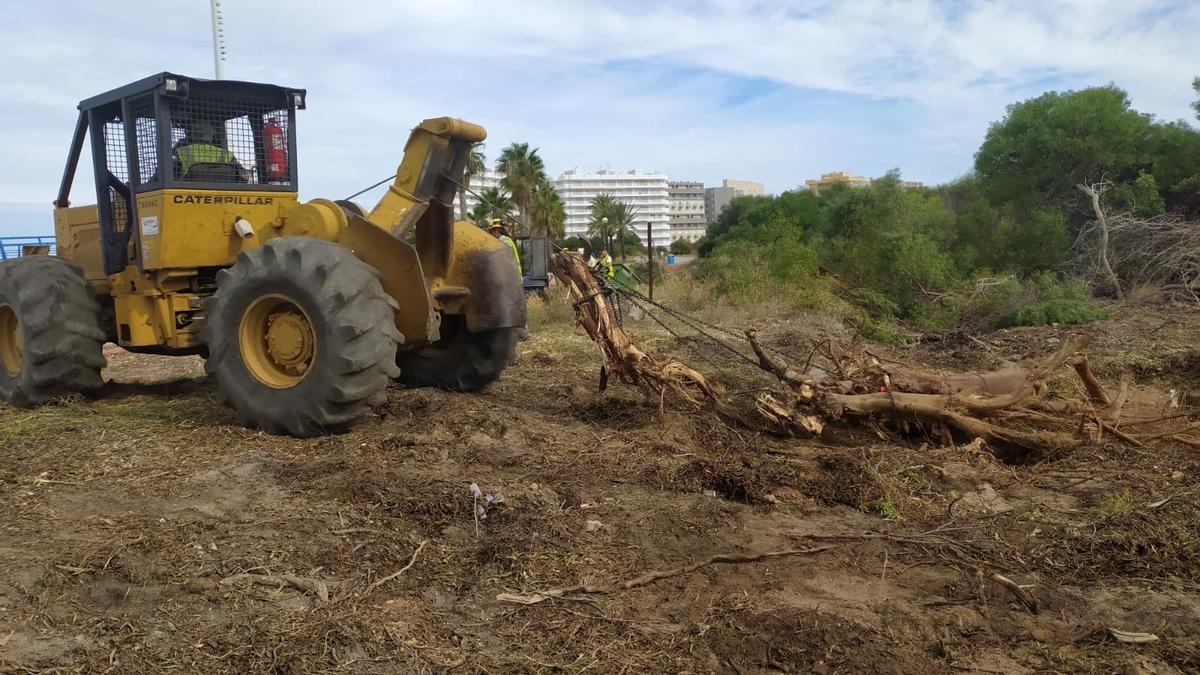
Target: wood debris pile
[[1010, 411]]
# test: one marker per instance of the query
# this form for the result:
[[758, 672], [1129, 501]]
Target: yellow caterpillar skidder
[[198, 244]]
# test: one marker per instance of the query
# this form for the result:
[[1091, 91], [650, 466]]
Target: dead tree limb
[[1009, 444], [316, 587], [1095, 191], [776, 365], [1095, 390], [1016, 381], [1019, 593]]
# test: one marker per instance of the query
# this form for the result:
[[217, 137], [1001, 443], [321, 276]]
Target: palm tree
[[548, 213], [476, 164], [600, 226], [620, 220], [494, 202], [523, 170]]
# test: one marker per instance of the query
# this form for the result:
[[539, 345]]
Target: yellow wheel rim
[[10, 341], [277, 341]]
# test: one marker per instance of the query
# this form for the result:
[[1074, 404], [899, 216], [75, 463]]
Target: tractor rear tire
[[51, 343], [461, 360], [301, 337]]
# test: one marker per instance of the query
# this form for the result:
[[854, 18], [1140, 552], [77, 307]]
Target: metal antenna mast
[[218, 37]]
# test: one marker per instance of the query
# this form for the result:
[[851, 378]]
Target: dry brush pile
[[1119, 249]]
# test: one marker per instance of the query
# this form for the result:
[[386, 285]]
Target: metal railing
[[12, 247]]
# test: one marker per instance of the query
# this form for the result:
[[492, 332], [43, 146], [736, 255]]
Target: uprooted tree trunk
[[861, 387], [622, 359]]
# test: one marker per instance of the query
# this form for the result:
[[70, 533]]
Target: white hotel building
[[645, 191]]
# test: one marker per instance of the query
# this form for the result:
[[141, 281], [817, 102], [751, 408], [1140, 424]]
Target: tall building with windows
[[646, 191], [715, 198], [686, 209]]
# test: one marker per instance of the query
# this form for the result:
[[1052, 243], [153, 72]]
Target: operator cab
[[171, 132]]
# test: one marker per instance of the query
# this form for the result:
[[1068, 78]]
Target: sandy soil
[[134, 526]]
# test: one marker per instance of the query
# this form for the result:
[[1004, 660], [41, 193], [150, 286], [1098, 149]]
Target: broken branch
[[313, 586], [1020, 593], [1095, 390], [411, 561]]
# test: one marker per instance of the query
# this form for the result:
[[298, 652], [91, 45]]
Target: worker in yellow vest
[[498, 230], [202, 147], [605, 264]]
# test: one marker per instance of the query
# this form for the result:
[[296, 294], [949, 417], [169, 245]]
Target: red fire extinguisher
[[276, 145]]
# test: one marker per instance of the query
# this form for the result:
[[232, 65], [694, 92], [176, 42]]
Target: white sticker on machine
[[149, 225]]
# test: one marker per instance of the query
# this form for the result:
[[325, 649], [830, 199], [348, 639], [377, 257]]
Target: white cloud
[[823, 85]]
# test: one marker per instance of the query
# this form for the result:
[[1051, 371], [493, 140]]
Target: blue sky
[[753, 89]]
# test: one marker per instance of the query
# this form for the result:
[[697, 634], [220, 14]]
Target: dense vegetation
[[988, 250]]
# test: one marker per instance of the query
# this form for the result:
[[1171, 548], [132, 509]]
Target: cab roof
[[182, 86]]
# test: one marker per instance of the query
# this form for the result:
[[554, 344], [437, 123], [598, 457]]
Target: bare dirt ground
[[145, 532]]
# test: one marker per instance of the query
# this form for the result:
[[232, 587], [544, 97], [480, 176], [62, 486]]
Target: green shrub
[[875, 304], [879, 331], [884, 508], [738, 273], [682, 246], [1057, 302]]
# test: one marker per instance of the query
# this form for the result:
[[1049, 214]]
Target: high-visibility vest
[[608, 266], [202, 153], [516, 254]]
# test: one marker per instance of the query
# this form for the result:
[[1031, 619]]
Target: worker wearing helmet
[[605, 264], [499, 230], [201, 146]]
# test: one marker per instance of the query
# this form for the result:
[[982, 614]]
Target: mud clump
[[843, 480], [744, 480], [809, 642]]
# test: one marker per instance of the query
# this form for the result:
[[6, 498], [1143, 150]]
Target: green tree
[[1196, 105], [574, 243], [1046, 145], [548, 213], [494, 202], [1142, 196], [620, 218], [600, 227], [476, 164], [523, 170]]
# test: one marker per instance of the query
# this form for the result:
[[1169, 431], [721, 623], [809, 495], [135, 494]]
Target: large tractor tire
[[460, 360], [301, 337], [51, 343]]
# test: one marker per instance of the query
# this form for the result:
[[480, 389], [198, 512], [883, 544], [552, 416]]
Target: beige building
[[715, 198], [744, 188], [836, 178]]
